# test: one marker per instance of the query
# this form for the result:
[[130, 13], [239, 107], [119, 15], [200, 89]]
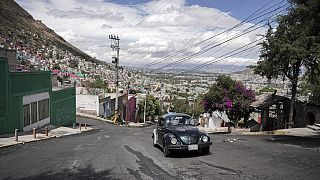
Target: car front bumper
[[185, 147]]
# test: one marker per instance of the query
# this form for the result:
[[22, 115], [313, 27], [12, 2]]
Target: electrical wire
[[211, 47], [248, 19], [136, 18], [273, 13], [144, 18]]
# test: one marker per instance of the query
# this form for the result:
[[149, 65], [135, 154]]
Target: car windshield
[[179, 120]]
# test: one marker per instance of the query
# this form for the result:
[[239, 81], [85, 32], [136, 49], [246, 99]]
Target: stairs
[[315, 127]]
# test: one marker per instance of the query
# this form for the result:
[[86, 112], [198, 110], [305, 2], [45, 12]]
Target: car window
[[178, 120]]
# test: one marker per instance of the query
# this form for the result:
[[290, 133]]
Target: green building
[[27, 99]]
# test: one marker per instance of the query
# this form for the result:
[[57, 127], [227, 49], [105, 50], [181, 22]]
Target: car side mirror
[[161, 122]]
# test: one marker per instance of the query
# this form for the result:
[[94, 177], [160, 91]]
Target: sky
[[150, 30]]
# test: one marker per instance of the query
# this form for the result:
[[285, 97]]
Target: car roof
[[175, 114]]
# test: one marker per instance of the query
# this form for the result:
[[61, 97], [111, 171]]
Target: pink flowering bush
[[229, 96]]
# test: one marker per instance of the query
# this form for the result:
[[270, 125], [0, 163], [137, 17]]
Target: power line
[[273, 13], [209, 48], [227, 55], [220, 58], [133, 19], [250, 52], [204, 50], [248, 19], [144, 18]]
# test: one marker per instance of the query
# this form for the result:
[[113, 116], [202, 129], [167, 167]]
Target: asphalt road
[[112, 152]]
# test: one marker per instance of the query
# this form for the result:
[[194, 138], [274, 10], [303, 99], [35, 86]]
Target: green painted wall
[[63, 107], [27, 83], [15, 85], [3, 94], [15, 117], [21, 84]]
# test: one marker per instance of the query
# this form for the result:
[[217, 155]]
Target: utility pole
[[115, 60], [144, 111], [127, 105]]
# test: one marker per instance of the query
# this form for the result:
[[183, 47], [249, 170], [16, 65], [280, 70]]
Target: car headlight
[[174, 140], [205, 139]]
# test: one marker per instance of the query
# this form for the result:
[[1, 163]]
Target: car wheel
[[166, 152], [205, 150]]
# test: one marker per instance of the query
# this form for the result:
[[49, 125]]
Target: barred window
[[43, 109], [26, 114], [34, 113]]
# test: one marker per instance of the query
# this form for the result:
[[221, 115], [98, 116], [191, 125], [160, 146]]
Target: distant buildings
[[103, 105]]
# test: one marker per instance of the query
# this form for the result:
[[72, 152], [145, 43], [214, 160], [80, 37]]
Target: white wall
[[35, 98], [89, 103]]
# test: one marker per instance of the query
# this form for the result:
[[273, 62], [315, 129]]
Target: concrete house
[[131, 110], [101, 106], [88, 104], [27, 99], [272, 112]]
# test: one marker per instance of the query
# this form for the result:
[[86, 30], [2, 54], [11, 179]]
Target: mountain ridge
[[15, 21]]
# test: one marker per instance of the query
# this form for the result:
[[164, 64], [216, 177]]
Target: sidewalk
[[9, 140], [299, 132], [219, 130], [131, 124]]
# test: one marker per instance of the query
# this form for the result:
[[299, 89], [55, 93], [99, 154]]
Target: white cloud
[[167, 26]]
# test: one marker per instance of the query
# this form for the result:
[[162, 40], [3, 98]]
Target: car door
[[161, 130]]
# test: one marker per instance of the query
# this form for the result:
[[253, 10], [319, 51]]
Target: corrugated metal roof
[[266, 100]]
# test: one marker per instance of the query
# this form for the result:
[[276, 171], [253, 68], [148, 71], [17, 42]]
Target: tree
[[152, 107], [230, 96], [196, 108], [295, 43], [179, 105], [96, 86]]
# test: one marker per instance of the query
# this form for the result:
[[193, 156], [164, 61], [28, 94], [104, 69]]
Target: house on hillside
[[3, 41]]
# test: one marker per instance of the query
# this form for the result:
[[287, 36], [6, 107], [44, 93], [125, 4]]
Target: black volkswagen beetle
[[178, 132]]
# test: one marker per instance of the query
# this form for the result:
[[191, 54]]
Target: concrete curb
[[140, 125], [213, 131], [217, 132], [276, 132], [93, 117], [314, 127], [55, 133]]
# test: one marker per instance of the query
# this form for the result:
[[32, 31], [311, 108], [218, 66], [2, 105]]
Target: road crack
[[223, 170], [148, 167]]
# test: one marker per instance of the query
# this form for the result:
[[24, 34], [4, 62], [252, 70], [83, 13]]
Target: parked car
[[178, 132]]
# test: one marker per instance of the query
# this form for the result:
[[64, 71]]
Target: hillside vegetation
[[19, 28]]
